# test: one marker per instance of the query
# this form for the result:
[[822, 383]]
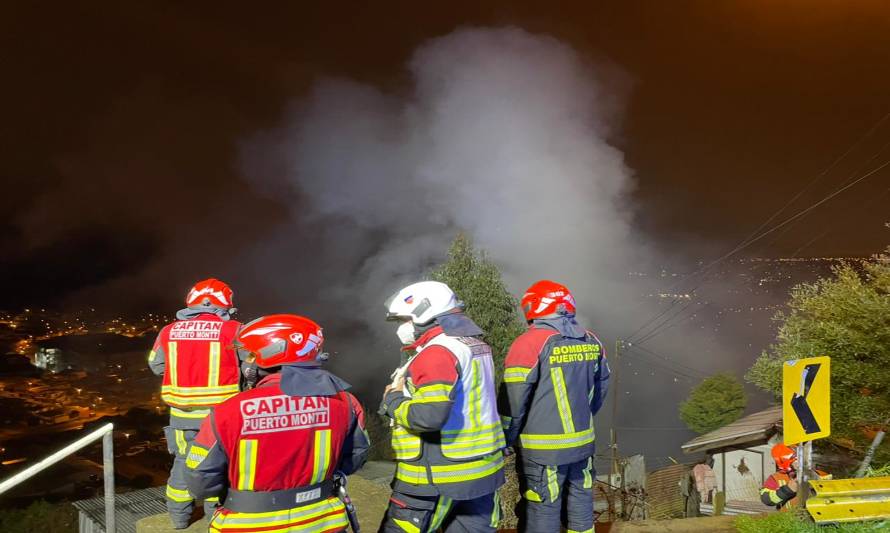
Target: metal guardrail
[[849, 500], [104, 433]]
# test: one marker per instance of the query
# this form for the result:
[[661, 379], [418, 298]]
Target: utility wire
[[651, 361], [807, 210], [822, 174], [866, 208], [745, 242], [852, 176], [668, 360], [658, 329]]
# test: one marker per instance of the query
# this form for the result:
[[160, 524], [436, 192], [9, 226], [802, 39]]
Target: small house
[[739, 455]]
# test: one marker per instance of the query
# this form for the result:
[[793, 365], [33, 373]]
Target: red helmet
[[784, 457], [546, 299], [277, 340], [210, 292]]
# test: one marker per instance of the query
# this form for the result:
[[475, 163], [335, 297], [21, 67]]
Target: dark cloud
[[296, 153], [126, 119]]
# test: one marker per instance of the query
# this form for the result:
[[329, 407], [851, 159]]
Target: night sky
[[122, 125]]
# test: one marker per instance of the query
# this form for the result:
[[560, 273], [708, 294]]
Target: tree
[[477, 282], [847, 317], [713, 403]]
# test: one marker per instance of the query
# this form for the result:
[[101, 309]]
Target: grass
[[39, 516], [380, 434], [879, 472], [794, 523]]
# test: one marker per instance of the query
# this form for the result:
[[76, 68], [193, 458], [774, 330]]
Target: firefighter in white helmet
[[447, 435]]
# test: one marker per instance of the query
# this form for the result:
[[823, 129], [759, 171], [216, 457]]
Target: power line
[[797, 215], [852, 176], [665, 366], [748, 240], [866, 208], [823, 173], [658, 329], [668, 360], [814, 206]]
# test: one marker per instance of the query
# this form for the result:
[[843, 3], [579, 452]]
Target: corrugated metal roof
[[752, 428], [129, 508]]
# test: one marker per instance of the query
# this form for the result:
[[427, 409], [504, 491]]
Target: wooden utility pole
[[614, 432]]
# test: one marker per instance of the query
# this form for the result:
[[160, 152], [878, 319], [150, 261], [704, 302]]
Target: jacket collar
[[565, 325], [213, 313], [305, 381], [424, 339], [271, 379]]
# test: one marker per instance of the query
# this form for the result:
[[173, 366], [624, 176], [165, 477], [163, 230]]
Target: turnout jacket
[[776, 492], [265, 441], [199, 366], [555, 378], [447, 435]]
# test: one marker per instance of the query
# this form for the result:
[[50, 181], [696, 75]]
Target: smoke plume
[[501, 134]]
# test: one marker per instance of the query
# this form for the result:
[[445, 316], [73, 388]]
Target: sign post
[[806, 411]]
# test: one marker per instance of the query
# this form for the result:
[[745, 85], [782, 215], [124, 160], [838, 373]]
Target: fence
[[104, 433]]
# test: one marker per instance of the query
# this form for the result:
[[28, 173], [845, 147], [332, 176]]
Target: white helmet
[[418, 304], [421, 302]]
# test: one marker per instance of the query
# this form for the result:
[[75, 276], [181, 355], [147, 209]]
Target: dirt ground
[[710, 524], [370, 501], [371, 497]]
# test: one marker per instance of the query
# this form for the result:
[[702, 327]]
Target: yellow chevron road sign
[[806, 399]]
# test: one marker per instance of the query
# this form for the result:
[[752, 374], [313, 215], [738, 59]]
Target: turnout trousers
[[543, 488], [179, 502], [425, 514]]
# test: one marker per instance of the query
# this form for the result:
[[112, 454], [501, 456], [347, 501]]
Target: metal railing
[[104, 433], [849, 500]]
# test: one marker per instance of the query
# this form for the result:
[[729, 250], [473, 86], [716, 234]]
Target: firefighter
[[446, 436], [200, 369], [555, 379], [271, 453], [780, 488]]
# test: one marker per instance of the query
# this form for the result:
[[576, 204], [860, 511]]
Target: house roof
[[759, 426]]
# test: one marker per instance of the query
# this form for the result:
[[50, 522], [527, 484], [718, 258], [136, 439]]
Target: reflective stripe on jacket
[[263, 440], [776, 492], [199, 365], [554, 386], [447, 435]]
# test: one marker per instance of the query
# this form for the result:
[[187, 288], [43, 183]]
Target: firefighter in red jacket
[[447, 435], [200, 369], [555, 380], [780, 488], [271, 453]]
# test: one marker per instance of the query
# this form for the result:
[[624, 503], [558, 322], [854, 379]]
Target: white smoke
[[502, 134]]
